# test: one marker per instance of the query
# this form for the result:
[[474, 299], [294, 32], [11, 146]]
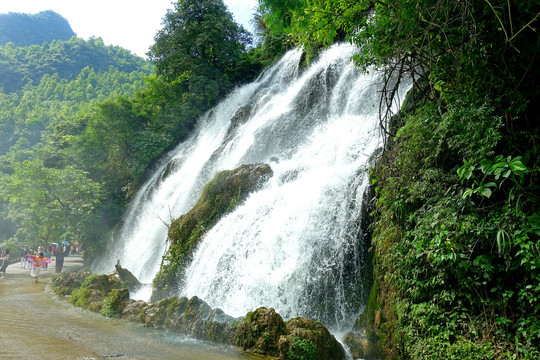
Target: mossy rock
[[358, 344], [219, 197], [102, 283], [135, 311], [65, 282], [91, 291], [115, 302], [316, 337], [192, 317], [260, 332]]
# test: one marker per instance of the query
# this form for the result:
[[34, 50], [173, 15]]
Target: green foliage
[[33, 29], [454, 258], [20, 66], [44, 124], [114, 302], [49, 202], [455, 237], [302, 349], [84, 107], [499, 168], [200, 42], [433, 348]]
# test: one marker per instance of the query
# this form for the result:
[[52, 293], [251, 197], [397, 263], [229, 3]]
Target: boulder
[[259, 332], [127, 277], [308, 339]]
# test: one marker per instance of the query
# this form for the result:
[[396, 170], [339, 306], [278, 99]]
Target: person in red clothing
[[38, 262]]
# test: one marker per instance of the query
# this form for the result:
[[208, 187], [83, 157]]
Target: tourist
[[5, 263], [38, 263], [59, 258], [30, 260], [23, 252], [47, 255]]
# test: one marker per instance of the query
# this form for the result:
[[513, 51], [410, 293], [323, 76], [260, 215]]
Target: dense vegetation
[[457, 225], [457, 219], [49, 192], [33, 29], [66, 58], [81, 122]]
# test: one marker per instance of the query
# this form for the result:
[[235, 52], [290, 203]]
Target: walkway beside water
[[34, 324]]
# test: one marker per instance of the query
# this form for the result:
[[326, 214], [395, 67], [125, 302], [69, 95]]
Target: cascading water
[[296, 244]]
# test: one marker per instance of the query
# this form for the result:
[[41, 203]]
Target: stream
[[34, 324]]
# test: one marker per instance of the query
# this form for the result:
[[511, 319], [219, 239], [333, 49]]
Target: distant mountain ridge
[[19, 65], [33, 29]]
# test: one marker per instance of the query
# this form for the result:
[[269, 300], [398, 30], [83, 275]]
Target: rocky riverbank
[[262, 331]]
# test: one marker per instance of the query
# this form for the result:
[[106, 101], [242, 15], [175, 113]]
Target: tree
[[49, 202], [201, 40]]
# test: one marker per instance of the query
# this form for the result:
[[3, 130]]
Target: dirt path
[[35, 325]]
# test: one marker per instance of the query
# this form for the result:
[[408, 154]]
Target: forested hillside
[[456, 215], [19, 65], [44, 88], [33, 29], [81, 122]]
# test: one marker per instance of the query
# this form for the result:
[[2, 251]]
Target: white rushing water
[[296, 244]]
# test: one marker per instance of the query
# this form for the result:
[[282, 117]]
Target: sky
[[131, 24]]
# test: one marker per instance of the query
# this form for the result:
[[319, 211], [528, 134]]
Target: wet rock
[[358, 344], [259, 332], [127, 277], [309, 339], [66, 282], [135, 311], [262, 331], [192, 317]]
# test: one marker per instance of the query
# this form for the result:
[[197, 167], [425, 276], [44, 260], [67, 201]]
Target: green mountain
[[30, 29], [53, 87], [19, 65]]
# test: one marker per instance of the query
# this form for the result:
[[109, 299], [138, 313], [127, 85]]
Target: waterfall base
[[262, 331]]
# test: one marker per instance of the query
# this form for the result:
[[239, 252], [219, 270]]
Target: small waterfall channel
[[296, 244]]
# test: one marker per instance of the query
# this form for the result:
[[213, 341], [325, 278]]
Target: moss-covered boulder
[[100, 293], [65, 282], [264, 332], [259, 332], [307, 339], [192, 317], [219, 196]]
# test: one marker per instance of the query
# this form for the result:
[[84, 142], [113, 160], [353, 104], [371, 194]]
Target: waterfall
[[295, 244]]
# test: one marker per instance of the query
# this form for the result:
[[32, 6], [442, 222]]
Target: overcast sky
[[130, 24]]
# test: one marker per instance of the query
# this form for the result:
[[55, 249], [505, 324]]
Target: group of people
[[36, 260]]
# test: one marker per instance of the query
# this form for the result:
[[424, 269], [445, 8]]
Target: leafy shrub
[[302, 349]]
